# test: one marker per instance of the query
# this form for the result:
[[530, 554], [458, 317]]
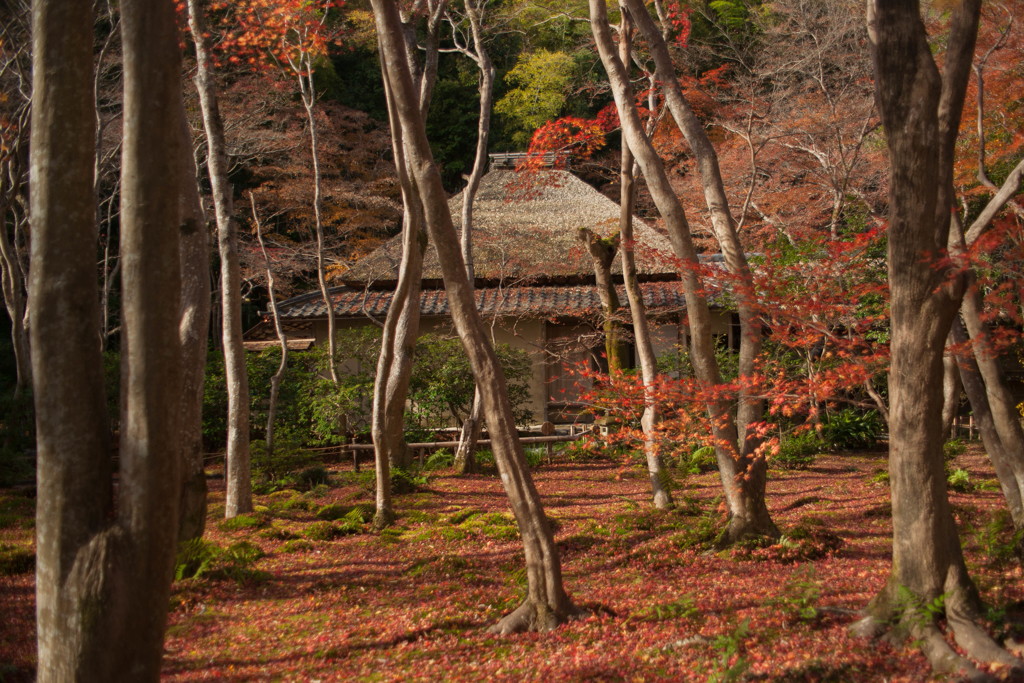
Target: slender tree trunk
[[751, 514], [991, 399], [13, 282], [741, 477], [1005, 458], [193, 330], [547, 603], [104, 570], [751, 408], [239, 476], [308, 92], [398, 343], [927, 562], [465, 460], [661, 493], [282, 339], [951, 387], [401, 326], [1007, 439]]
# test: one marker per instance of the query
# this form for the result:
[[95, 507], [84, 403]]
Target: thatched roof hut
[[525, 235]]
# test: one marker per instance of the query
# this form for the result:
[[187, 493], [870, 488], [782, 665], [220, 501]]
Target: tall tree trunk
[[465, 460], [547, 603], [74, 467], [920, 109], [193, 331], [239, 475], [989, 394], [661, 493], [751, 408], [282, 338], [104, 570], [401, 326], [741, 476], [304, 69]]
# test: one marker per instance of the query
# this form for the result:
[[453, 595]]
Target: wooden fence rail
[[419, 449]]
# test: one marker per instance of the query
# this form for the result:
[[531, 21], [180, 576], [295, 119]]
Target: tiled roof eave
[[544, 301]]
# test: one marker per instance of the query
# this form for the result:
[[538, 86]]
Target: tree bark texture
[[602, 255], [920, 109], [547, 603], [239, 470], [401, 326], [74, 467], [193, 331], [742, 478], [104, 571]]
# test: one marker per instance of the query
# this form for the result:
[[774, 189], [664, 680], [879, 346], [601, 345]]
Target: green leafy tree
[[540, 82], [442, 382]]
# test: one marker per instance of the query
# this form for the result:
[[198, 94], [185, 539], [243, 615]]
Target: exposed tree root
[[979, 645], [975, 642], [533, 616], [943, 658]]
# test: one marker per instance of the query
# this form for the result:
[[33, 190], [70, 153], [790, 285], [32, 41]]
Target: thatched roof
[[528, 236]]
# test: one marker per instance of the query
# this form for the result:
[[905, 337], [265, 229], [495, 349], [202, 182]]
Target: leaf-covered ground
[[413, 603]]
